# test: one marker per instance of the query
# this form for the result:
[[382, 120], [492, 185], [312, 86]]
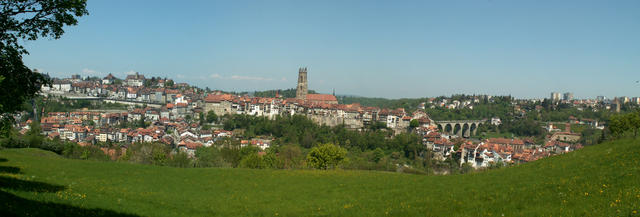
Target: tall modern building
[[555, 96], [302, 89], [567, 96]]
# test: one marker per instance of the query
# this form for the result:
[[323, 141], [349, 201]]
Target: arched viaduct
[[461, 128]]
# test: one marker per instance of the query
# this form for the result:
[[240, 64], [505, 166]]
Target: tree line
[[622, 125], [299, 144]]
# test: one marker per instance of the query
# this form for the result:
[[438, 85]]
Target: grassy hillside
[[601, 180]]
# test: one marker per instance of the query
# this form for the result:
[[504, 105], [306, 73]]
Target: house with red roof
[[322, 98]]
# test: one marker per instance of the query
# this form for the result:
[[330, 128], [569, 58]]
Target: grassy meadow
[[601, 180]]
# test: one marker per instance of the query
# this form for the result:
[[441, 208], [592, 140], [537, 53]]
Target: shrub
[[271, 160], [410, 170], [56, 146], [290, 156], [253, 161], [13, 142], [326, 156], [209, 157], [147, 153], [466, 168], [180, 159], [73, 150]]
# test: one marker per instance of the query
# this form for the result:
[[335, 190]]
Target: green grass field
[[602, 180]]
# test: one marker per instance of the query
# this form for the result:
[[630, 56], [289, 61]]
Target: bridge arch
[[448, 128], [457, 129], [465, 130], [473, 128], [461, 128]]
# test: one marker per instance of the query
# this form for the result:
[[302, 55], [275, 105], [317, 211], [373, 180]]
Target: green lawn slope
[[602, 180]]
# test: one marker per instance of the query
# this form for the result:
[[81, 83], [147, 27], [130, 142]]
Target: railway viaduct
[[461, 128]]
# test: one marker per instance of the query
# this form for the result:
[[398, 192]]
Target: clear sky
[[388, 49]]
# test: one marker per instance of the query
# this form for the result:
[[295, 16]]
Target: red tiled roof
[[193, 145], [321, 97], [504, 141], [218, 98]]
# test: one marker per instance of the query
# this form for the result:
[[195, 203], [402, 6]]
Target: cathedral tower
[[301, 91]]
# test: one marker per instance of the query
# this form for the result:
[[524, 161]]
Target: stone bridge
[[461, 128]]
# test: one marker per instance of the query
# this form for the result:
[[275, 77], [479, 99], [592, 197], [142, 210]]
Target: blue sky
[[387, 49]]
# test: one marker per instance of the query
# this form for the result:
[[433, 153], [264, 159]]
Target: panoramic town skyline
[[319, 108], [419, 49]]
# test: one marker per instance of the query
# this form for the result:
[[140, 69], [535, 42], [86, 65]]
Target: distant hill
[[408, 104], [601, 180], [288, 93]]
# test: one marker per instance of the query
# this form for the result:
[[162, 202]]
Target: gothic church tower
[[301, 91]]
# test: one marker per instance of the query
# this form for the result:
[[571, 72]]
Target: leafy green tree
[[622, 123], [307, 139], [34, 136], [271, 160], [169, 83], [201, 118], [378, 154], [466, 168], [147, 153], [28, 20], [291, 156], [414, 123], [212, 117], [18, 85], [73, 150], [180, 159], [634, 122], [619, 124], [326, 156], [233, 154], [141, 123], [159, 156], [209, 157], [253, 161], [148, 83], [454, 167]]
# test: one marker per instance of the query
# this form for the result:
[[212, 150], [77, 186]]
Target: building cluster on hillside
[[600, 102], [166, 112], [88, 128], [490, 151], [169, 109]]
